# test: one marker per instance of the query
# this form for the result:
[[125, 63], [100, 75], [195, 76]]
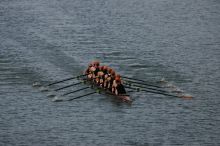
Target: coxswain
[[117, 87], [109, 80], [105, 69]]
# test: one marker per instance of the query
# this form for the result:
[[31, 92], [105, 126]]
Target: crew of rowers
[[105, 77]]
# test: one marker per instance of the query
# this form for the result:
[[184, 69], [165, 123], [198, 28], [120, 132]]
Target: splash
[[186, 96], [36, 84], [44, 89], [57, 99], [175, 89], [163, 80], [51, 94]]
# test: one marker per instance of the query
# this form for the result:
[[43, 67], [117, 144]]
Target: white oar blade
[[36, 84], [44, 89], [51, 94], [57, 99]]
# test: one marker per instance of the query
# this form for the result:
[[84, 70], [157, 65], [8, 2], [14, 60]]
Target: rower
[[105, 69], [94, 69], [109, 80], [96, 65], [100, 76], [117, 87], [107, 77], [88, 71]]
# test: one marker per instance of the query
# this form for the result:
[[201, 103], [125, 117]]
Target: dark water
[[48, 40]]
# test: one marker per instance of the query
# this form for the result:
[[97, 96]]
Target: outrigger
[[87, 79]]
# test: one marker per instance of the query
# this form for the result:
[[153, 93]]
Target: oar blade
[[51, 94], [36, 84], [44, 89], [57, 99]]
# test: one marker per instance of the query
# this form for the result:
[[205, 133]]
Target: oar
[[138, 89], [75, 91], [141, 83], [134, 79], [67, 79], [68, 86], [145, 87], [56, 99], [82, 96], [52, 95], [59, 100]]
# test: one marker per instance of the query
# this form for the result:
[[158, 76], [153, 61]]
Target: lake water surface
[[49, 40]]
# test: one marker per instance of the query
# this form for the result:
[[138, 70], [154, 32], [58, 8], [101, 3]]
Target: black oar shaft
[[75, 91], [133, 79], [152, 91], [60, 81], [160, 93], [67, 79], [142, 83], [68, 86], [82, 96], [146, 87]]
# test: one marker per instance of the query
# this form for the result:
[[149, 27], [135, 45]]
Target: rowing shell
[[123, 97]]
